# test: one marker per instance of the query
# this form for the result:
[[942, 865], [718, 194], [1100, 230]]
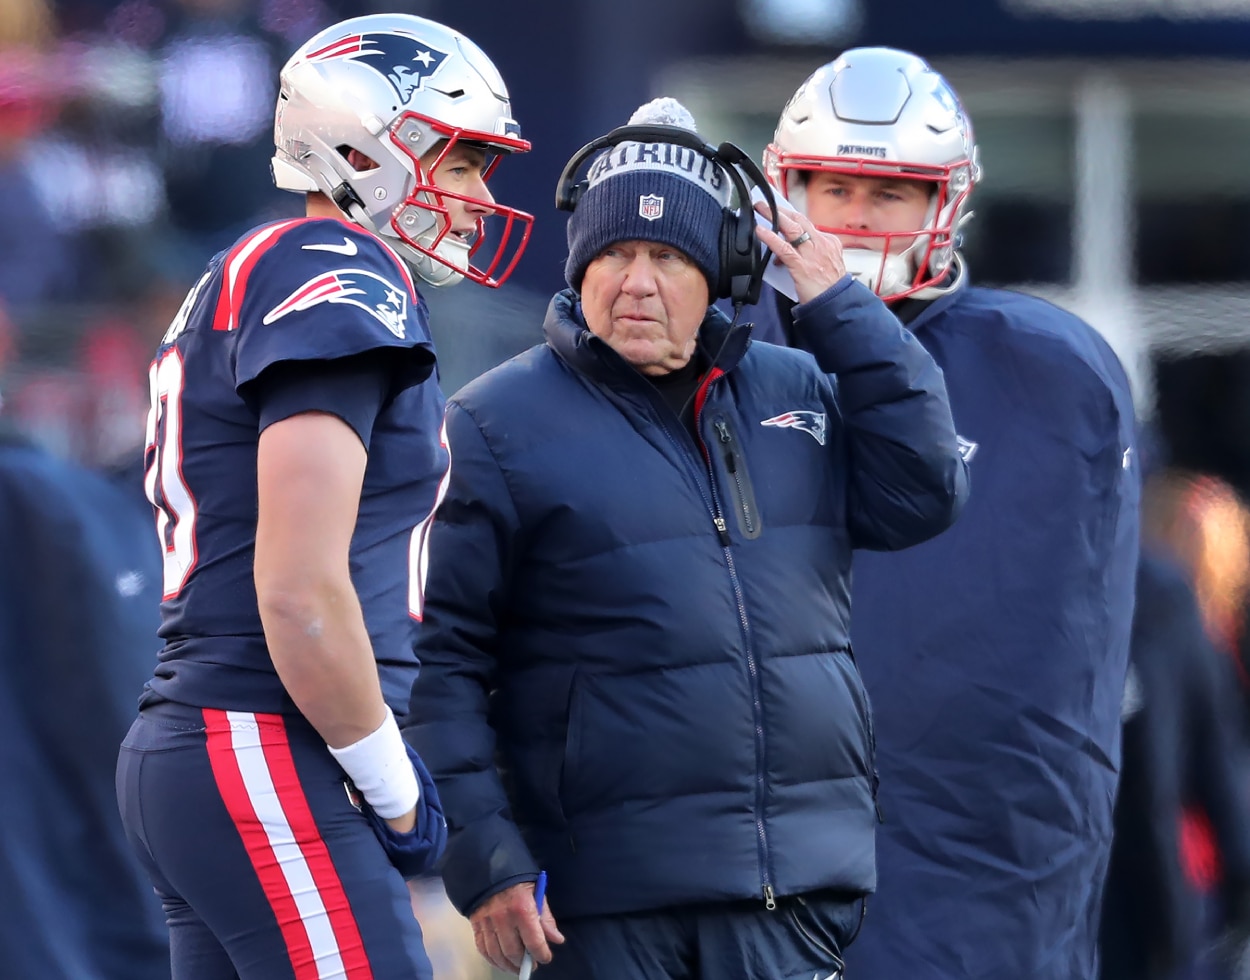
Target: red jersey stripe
[[290, 792], [234, 793], [238, 266]]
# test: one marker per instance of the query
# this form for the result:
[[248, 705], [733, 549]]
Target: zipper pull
[[726, 440], [723, 530], [770, 899]]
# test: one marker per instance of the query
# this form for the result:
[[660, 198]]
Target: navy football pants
[[266, 869], [802, 939]]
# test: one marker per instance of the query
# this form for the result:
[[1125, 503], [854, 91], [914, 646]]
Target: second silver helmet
[[880, 112]]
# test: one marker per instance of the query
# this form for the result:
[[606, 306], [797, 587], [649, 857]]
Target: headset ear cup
[[568, 194], [739, 258], [742, 262], [748, 254], [728, 236]]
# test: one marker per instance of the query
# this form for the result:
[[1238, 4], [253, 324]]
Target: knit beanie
[[654, 192]]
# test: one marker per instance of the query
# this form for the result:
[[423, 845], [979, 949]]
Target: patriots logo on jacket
[[383, 301], [813, 423], [403, 60]]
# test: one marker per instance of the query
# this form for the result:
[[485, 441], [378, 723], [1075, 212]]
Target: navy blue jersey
[[305, 290]]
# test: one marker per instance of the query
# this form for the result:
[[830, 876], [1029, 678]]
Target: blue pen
[[540, 892]]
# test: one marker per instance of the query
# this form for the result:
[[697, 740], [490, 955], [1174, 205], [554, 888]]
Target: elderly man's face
[[646, 300]]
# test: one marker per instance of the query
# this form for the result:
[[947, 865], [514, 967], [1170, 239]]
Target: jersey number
[[163, 480]]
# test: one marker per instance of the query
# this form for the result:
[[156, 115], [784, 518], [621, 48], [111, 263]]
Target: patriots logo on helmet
[[402, 59], [386, 303], [813, 423]]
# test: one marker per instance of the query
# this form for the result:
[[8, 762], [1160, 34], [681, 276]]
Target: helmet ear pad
[[743, 260]]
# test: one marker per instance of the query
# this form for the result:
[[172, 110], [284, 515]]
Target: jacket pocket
[[826, 922], [740, 488], [572, 742], [870, 734]]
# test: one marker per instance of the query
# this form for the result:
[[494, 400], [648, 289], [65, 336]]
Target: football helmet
[[879, 112], [392, 86]]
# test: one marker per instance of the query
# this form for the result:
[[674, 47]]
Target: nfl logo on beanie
[[655, 192]]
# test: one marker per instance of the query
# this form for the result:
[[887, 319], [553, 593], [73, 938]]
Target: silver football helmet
[[392, 86], [879, 112]]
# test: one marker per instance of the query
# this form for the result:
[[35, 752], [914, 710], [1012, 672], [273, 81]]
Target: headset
[[742, 261]]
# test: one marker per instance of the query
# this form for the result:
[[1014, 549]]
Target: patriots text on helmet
[[862, 150]]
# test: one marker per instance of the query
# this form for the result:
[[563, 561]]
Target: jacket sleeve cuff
[[496, 888], [843, 324], [484, 859], [829, 296]]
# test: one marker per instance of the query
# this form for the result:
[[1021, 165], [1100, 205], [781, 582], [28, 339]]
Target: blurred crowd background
[[1115, 135]]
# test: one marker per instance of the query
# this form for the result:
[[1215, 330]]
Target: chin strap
[[349, 202]]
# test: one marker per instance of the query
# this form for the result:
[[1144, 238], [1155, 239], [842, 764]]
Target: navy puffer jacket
[[996, 654], [635, 664]]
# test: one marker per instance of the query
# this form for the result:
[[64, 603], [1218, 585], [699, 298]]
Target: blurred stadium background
[[1115, 136], [134, 137]]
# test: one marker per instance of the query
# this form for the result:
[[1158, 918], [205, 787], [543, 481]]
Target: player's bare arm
[[310, 469]]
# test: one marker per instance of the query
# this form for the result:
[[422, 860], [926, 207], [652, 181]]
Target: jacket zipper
[[757, 705], [731, 464]]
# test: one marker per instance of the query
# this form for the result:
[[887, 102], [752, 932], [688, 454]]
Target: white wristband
[[378, 765]]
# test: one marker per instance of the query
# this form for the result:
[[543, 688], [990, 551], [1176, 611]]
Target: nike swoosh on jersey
[[347, 248]]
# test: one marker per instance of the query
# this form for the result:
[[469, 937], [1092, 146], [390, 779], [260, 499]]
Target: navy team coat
[[996, 655], [80, 586], [649, 636]]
